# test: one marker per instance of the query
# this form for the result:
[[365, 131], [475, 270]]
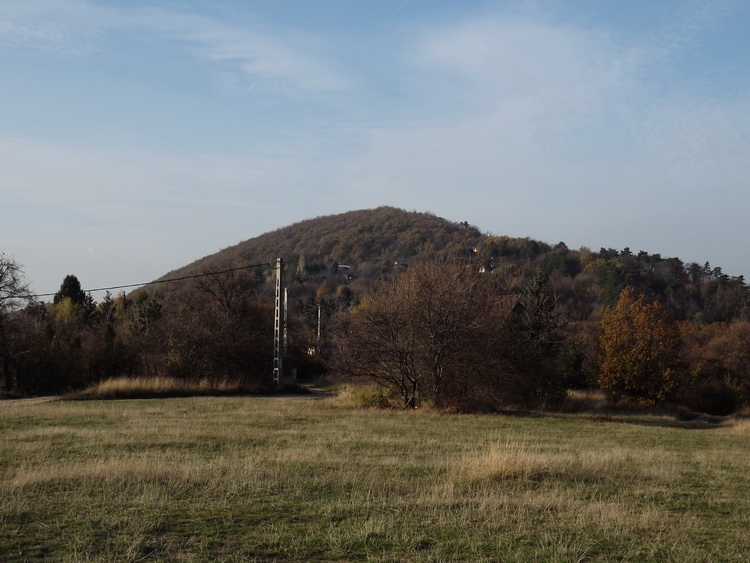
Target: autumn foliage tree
[[719, 358], [639, 351]]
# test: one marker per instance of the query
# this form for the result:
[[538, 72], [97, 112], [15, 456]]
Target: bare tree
[[380, 341], [14, 294], [432, 332], [220, 326]]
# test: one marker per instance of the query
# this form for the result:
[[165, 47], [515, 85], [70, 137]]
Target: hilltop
[[378, 236], [350, 251]]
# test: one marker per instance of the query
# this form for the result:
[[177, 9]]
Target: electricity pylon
[[279, 326]]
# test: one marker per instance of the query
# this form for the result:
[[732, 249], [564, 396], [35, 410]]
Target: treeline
[[708, 310], [370, 242], [587, 281], [215, 328], [447, 334], [415, 332], [368, 293]]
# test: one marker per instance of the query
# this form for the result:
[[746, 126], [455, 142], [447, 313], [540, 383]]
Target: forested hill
[[368, 241], [220, 324], [346, 253]]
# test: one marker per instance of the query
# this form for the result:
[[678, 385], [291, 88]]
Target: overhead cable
[[168, 280]]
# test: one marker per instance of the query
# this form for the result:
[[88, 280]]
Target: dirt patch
[[28, 402]]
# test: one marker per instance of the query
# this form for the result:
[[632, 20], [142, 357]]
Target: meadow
[[312, 479]]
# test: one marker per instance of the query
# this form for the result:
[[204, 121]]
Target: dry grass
[[124, 387], [739, 425], [243, 479], [517, 458], [363, 396]]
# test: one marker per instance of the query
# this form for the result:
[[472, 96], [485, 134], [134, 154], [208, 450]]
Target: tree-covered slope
[[367, 240], [353, 250]]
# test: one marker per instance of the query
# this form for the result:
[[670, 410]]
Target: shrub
[[364, 397], [711, 397]]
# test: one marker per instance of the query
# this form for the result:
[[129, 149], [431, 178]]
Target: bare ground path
[[28, 402]]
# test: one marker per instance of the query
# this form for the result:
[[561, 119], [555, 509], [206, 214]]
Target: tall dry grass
[[160, 387], [518, 458], [739, 425]]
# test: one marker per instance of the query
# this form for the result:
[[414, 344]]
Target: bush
[[365, 397], [711, 397], [585, 400]]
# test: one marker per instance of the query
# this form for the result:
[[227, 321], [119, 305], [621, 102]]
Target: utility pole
[[279, 326], [319, 338]]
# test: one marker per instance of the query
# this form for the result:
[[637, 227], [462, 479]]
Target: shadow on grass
[[701, 423], [668, 418]]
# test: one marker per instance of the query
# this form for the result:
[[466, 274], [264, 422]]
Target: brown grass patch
[[128, 387], [519, 459], [739, 425]]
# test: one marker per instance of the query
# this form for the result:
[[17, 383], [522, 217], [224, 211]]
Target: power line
[[169, 280]]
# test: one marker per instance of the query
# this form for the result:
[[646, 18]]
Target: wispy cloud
[[521, 94], [152, 211], [282, 59], [65, 28], [499, 60], [694, 19]]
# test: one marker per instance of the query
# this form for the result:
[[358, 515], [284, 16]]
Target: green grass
[[243, 479]]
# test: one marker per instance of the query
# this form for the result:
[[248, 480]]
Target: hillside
[[368, 241], [353, 250]]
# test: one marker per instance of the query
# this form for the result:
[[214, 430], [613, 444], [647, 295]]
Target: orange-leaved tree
[[639, 351]]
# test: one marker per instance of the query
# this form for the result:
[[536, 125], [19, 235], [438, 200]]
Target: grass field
[[244, 479]]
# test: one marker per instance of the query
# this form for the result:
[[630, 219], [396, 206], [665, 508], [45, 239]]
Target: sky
[[137, 137]]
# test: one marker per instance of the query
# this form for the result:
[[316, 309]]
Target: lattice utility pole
[[279, 326], [319, 339]]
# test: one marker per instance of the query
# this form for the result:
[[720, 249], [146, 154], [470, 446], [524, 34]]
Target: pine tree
[[70, 287]]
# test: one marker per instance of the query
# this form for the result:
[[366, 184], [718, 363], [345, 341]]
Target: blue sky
[[136, 137]]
